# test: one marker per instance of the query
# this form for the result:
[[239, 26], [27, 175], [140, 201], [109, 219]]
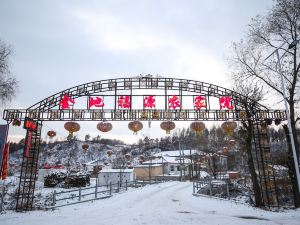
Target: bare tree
[[254, 92], [8, 83], [279, 28]]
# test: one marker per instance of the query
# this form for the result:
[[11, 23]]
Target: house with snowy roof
[[168, 164]]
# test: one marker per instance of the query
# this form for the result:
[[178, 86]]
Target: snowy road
[[169, 203]]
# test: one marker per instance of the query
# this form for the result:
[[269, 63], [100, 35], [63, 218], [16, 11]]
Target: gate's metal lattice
[[264, 164], [25, 193]]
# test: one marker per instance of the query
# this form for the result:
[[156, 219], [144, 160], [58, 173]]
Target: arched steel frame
[[45, 111]]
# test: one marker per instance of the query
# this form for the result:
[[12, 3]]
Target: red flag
[[5, 162]]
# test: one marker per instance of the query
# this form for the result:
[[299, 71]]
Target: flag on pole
[[5, 162], [3, 137]]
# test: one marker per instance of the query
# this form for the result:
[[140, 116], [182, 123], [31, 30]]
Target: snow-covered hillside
[[63, 152], [161, 204]]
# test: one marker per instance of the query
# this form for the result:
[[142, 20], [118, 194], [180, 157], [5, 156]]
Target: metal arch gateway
[[173, 99]]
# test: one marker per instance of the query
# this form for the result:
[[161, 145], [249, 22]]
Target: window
[[178, 168], [172, 168]]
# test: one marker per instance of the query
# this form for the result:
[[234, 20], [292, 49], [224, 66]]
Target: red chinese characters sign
[[124, 102], [96, 101], [149, 102], [66, 101], [174, 102], [199, 102], [226, 103], [30, 125]]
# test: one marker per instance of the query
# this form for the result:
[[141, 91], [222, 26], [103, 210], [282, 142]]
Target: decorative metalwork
[[62, 107], [158, 114]]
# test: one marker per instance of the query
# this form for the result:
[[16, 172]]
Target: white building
[[107, 176], [175, 163]]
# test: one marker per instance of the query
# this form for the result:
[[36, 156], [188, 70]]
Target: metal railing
[[84, 194], [216, 188]]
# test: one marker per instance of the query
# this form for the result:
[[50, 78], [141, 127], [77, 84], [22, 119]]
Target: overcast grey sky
[[60, 44]]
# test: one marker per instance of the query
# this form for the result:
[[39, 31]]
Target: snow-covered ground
[[166, 203]]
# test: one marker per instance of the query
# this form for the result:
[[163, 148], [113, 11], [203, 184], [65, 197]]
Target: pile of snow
[[160, 204]]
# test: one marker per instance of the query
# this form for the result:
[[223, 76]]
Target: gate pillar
[[29, 169]]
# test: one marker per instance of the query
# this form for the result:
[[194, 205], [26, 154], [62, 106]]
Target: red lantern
[[109, 152], [198, 127], [16, 122], [85, 147], [51, 133], [135, 126], [72, 127], [104, 126], [229, 127], [167, 126]]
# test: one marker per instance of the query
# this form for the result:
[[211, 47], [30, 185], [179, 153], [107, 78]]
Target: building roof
[[94, 162], [172, 157], [116, 171], [178, 153], [153, 165]]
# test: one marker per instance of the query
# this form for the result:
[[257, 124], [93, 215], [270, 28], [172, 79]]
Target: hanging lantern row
[[136, 126], [167, 126], [51, 133]]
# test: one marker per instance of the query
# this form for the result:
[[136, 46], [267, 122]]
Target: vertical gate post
[[29, 169]]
